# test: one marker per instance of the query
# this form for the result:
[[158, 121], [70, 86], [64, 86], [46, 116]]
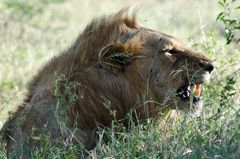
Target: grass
[[32, 32]]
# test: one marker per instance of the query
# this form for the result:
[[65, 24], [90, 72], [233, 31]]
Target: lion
[[114, 67]]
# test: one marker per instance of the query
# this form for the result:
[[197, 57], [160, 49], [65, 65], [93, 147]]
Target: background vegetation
[[33, 31]]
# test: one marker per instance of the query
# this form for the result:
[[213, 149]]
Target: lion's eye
[[170, 51], [173, 51]]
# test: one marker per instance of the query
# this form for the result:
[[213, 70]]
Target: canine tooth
[[198, 90]]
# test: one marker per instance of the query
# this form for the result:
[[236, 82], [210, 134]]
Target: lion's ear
[[115, 57]]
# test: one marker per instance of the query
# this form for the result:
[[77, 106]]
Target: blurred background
[[31, 31]]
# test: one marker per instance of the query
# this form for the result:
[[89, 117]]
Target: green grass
[[32, 32]]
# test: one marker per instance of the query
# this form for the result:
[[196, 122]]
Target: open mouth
[[188, 92]]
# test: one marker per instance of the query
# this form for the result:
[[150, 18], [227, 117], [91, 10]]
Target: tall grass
[[31, 32]]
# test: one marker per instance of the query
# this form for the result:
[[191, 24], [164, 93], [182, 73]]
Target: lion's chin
[[187, 105]]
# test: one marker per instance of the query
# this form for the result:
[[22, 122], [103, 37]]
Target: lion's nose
[[206, 66]]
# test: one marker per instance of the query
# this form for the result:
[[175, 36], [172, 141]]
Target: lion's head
[[170, 72]]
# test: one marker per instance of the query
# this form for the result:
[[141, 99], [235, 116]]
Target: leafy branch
[[232, 24]]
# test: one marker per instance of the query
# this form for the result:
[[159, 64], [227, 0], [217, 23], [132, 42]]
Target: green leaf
[[221, 16], [222, 3], [231, 22]]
